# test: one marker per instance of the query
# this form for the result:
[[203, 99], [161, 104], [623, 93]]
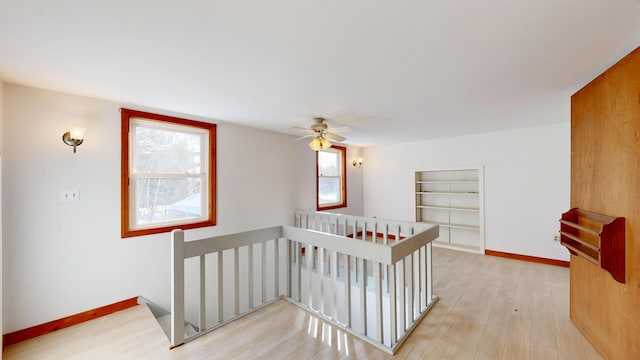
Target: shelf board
[[454, 208], [446, 181], [446, 193], [455, 226], [453, 246], [580, 227], [581, 242]]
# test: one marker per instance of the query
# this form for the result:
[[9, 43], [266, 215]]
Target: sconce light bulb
[[74, 137]]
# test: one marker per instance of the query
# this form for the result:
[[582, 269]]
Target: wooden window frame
[[343, 151], [126, 116]]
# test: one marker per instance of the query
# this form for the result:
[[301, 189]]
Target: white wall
[[64, 258], [526, 183], [1, 241]]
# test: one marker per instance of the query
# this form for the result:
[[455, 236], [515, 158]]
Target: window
[[331, 184], [168, 173]]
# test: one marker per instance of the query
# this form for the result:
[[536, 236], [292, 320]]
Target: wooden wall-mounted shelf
[[596, 238]]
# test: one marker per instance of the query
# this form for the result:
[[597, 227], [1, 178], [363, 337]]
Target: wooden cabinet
[[452, 198]]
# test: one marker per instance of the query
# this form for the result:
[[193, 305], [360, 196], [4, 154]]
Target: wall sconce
[[357, 163], [74, 137]]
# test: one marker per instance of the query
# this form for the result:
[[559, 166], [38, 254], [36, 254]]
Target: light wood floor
[[489, 308]]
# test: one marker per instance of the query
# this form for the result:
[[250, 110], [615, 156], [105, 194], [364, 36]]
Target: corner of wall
[[1, 242]]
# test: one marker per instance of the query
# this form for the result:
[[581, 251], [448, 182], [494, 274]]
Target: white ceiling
[[395, 71]]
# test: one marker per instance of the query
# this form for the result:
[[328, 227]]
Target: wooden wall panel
[[605, 178]]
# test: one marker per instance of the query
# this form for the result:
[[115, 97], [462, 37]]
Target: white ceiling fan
[[321, 133]]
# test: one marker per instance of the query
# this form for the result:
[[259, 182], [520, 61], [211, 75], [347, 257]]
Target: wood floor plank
[[518, 341], [543, 333], [489, 308], [498, 326]]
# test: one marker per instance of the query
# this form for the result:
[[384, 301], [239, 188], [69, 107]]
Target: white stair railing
[[376, 290], [410, 269], [219, 248]]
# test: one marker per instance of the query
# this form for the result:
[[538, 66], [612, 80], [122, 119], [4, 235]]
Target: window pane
[[161, 199], [165, 151], [329, 191], [328, 164]]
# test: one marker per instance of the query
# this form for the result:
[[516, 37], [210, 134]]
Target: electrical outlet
[[556, 238], [69, 196]]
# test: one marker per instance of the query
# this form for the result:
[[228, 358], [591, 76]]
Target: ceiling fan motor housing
[[319, 125]]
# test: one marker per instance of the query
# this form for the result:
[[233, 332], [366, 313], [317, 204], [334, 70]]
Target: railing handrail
[[406, 227], [402, 249], [385, 254], [379, 252], [230, 241]]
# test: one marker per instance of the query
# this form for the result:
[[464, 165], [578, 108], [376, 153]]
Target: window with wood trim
[[331, 178], [168, 173]]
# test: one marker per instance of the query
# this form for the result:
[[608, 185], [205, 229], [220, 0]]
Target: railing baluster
[[355, 230], [420, 282], [310, 259], [378, 284], [410, 294], [220, 287], [363, 295], [298, 252], [321, 277], [334, 281], [393, 302], [344, 228], [250, 275], [264, 272], [385, 240], [429, 274], [385, 235], [177, 288], [289, 270], [401, 291], [347, 289], [202, 319], [374, 236], [276, 268], [355, 236], [236, 282]]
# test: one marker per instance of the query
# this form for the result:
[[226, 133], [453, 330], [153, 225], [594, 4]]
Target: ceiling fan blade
[[304, 137], [297, 128], [335, 137], [340, 129]]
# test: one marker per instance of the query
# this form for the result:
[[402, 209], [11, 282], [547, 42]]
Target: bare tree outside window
[[170, 164]]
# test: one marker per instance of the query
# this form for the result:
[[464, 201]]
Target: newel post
[[177, 288]]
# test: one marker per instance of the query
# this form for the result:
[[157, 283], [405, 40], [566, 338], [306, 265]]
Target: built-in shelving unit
[[597, 238], [453, 198]]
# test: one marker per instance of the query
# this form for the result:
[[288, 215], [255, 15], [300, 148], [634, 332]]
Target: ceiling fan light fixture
[[319, 143]]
